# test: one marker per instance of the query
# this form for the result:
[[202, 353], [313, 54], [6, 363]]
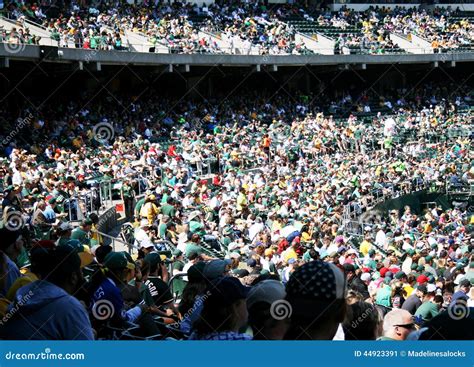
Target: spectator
[[397, 325], [52, 295], [312, 318], [224, 313]]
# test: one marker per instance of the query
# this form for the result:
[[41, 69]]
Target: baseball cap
[[226, 290], [153, 258], [315, 283], [252, 263], [365, 277], [267, 291], [348, 268], [383, 271], [83, 251], [240, 273], [117, 261], [400, 275], [65, 226], [422, 288], [422, 279], [431, 288], [215, 269], [196, 272], [177, 252]]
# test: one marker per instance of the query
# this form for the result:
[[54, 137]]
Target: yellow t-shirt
[[365, 247], [409, 289]]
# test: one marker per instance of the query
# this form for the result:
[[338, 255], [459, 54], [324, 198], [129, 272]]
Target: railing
[[114, 241], [460, 188], [353, 216]]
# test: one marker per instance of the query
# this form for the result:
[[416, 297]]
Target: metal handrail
[[114, 240]]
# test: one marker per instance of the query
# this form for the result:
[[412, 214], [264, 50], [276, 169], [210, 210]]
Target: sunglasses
[[407, 326]]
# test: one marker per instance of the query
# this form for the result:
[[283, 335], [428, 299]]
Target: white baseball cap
[[431, 288]]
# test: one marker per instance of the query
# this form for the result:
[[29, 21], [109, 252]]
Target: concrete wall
[[363, 7], [52, 54], [321, 45], [45, 38], [422, 44], [404, 43]]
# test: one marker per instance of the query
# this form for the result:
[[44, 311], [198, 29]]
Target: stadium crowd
[[259, 253], [246, 27]]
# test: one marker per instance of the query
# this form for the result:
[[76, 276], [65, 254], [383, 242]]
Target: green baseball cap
[[117, 261]]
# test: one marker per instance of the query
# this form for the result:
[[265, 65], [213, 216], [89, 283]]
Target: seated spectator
[[317, 310], [266, 308], [363, 322], [224, 313], [11, 247], [38, 301], [397, 325]]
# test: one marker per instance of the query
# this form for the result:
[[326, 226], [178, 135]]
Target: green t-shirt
[[162, 230], [167, 209], [80, 235], [196, 227], [383, 296], [139, 205], [427, 310], [178, 265], [191, 247], [127, 191]]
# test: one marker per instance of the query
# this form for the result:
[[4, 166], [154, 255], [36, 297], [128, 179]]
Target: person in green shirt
[[192, 248], [430, 307], [64, 233], [82, 233], [168, 209], [384, 294], [138, 207]]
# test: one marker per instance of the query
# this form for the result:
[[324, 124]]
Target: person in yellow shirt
[[365, 246], [241, 200], [149, 210], [402, 277]]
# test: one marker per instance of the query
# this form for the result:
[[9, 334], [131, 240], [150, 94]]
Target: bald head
[[397, 324]]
